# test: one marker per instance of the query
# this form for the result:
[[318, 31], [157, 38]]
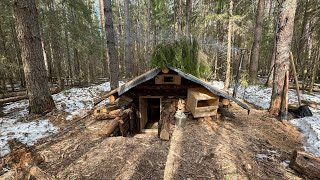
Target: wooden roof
[[154, 72]]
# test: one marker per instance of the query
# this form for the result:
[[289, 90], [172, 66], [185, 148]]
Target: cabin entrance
[[150, 110]]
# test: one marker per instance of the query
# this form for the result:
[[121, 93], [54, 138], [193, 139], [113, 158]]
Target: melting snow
[[310, 128], [76, 101], [25, 132], [261, 97]]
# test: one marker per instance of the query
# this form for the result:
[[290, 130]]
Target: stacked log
[[126, 122], [110, 127], [181, 105], [121, 122], [104, 115]]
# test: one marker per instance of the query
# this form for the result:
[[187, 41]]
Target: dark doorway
[[150, 108], [153, 113]]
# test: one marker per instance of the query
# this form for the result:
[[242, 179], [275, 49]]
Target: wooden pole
[[295, 78]]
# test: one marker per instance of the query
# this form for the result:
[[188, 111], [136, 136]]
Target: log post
[[164, 125]]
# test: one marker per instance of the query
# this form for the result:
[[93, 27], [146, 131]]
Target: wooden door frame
[[140, 108]]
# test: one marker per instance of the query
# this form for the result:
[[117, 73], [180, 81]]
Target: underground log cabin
[[150, 102]]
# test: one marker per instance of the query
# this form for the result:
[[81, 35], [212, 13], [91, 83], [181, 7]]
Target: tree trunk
[[283, 46], [179, 18], [255, 51], [127, 42], [113, 54], [18, 54], [188, 17], [7, 56], [55, 27], [76, 66], [271, 68], [118, 34], [27, 26], [315, 67], [148, 38], [303, 40], [48, 52], [66, 35], [229, 51], [100, 3]]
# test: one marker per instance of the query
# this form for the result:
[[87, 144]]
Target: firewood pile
[[121, 122], [170, 107]]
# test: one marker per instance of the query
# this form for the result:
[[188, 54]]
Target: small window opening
[[204, 103], [168, 79]]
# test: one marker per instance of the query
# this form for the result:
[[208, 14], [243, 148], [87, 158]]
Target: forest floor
[[235, 146]]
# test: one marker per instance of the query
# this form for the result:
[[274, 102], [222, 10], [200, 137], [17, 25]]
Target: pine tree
[[26, 17], [112, 51], [255, 51], [127, 44], [283, 46]]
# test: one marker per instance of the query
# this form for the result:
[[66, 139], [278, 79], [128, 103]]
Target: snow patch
[[217, 84], [79, 101], [285, 163], [76, 101], [310, 128], [261, 97], [25, 132], [261, 157]]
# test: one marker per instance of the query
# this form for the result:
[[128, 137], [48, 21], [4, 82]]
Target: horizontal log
[[310, 103], [13, 99], [105, 96], [25, 96], [306, 164], [12, 94], [110, 127], [109, 115]]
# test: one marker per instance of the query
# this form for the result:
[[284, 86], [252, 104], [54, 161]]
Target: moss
[[35, 109], [184, 54]]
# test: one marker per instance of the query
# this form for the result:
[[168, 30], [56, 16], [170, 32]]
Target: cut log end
[[165, 70], [112, 98], [225, 102]]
